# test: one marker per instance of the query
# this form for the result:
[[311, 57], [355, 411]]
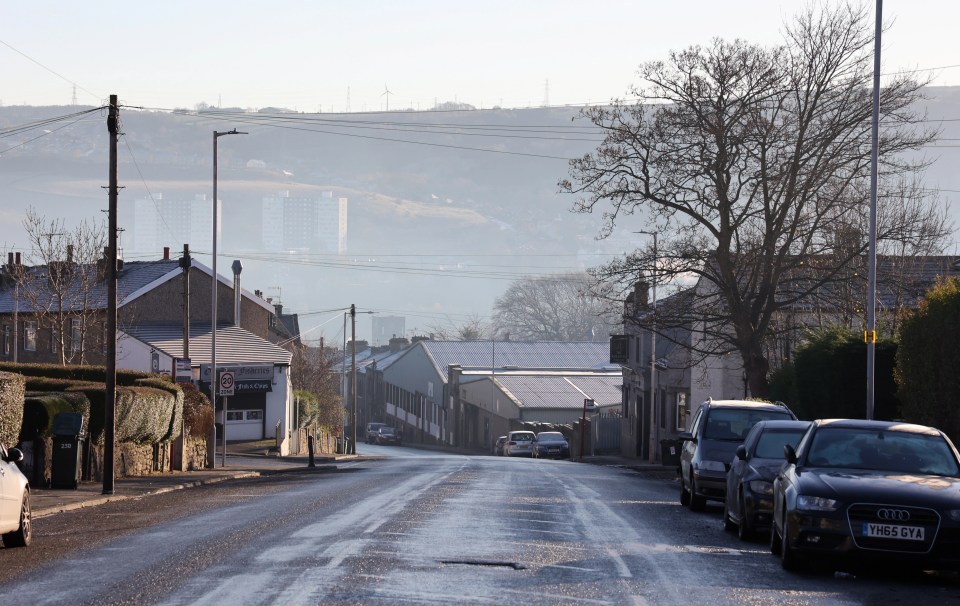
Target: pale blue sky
[[306, 54]]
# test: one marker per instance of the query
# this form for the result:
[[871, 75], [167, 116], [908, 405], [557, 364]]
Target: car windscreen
[[733, 424], [881, 450], [770, 444]]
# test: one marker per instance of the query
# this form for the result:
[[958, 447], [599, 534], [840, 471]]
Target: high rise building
[[386, 327], [171, 221], [301, 224]]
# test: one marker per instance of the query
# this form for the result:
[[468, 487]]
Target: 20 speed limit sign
[[226, 383]]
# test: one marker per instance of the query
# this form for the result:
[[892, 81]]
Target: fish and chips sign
[[251, 378]]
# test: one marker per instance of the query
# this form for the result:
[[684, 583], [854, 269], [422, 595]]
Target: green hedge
[[85, 374], [12, 388], [39, 411]]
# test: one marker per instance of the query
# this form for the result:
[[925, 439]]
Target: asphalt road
[[423, 527]]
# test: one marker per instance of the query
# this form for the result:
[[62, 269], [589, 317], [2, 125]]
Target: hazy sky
[[307, 54]]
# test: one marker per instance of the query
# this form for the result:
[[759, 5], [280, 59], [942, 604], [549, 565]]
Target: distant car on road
[[388, 435], [498, 446], [551, 445], [749, 503], [869, 490], [16, 524], [371, 434], [719, 426], [519, 444]]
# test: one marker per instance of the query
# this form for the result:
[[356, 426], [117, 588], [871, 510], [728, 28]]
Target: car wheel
[[728, 524], [744, 532], [697, 503], [684, 494], [22, 536], [789, 558], [775, 541]]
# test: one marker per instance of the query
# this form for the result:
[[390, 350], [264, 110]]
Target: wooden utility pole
[[110, 399]]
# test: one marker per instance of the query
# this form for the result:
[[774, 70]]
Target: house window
[[254, 415], [681, 411], [234, 415], [6, 340], [75, 334], [29, 336], [54, 336]]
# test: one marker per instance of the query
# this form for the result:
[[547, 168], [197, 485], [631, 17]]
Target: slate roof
[[517, 354], [234, 345], [562, 391]]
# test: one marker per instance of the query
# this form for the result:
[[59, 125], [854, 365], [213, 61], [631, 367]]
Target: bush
[[39, 411], [83, 374], [197, 411], [830, 377], [928, 360], [12, 388]]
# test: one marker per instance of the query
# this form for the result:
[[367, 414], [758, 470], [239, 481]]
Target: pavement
[[243, 462], [246, 460]]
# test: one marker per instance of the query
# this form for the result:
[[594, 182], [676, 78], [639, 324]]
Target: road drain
[[492, 563]]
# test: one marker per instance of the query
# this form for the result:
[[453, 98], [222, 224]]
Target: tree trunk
[[756, 367]]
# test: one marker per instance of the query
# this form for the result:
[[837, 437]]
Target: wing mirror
[[790, 454], [14, 455], [686, 436], [742, 452]]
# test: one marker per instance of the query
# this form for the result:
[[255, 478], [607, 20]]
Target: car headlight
[[712, 466], [954, 514], [809, 503], [761, 487]]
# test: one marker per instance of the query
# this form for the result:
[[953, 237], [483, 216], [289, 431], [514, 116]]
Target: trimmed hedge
[[39, 411], [12, 388], [85, 374]]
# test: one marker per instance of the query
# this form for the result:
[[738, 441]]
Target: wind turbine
[[386, 91]]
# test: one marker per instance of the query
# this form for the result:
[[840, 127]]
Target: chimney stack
[[166, 253]]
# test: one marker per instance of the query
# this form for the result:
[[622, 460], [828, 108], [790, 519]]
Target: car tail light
[[511, 443]]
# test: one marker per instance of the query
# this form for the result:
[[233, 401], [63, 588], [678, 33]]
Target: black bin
[[68, 431], [670, 453]]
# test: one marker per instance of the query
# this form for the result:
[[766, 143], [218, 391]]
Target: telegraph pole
[[185, 262], [353, 376], [110, 400]]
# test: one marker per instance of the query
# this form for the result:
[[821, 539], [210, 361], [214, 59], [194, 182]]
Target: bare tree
[[473, 328], [60, 283], [747, 160], [312, 372], [564, 307]]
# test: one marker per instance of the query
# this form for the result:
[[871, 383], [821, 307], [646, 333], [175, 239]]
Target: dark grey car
[[749, 503], [719, 426]]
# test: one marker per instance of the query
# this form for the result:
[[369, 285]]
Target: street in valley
[[418, 527]]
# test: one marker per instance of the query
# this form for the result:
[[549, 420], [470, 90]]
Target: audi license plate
[[890, 531]]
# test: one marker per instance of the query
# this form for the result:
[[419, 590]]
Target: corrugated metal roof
[[234, 345], [518, 354], [532, 391]]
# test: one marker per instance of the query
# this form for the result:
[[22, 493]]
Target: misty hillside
[[470, 190]]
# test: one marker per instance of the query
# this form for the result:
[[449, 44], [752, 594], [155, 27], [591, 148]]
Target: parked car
[[498, 446], [388, 435], [15, 517], [719, 426], [748, 506], [551, 445], [519, 444], [856, 489], [371, 435]]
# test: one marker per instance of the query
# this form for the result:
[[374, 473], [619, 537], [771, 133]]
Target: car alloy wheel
[[697, 503], [775, 541], [22, 536], [789, 558], [728, 524], [744, 532]]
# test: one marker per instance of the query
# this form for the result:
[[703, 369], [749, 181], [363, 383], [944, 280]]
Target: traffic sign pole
[[226, 384]]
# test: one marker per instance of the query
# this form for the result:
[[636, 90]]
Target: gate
[[606, 434]]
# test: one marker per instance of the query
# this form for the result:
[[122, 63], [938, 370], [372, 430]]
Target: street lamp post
[[214, 378]]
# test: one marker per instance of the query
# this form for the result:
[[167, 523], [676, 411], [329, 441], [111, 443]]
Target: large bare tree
[[753, 165], [563, 307]]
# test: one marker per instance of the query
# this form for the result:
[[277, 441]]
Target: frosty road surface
[[420, 527]]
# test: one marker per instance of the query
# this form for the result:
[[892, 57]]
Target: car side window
[[695, 428]]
